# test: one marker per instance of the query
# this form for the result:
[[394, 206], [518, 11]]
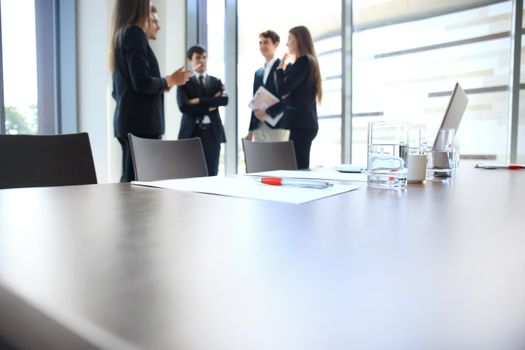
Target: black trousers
[[212, 148], [5, 346], [302, 142], [128, 173]]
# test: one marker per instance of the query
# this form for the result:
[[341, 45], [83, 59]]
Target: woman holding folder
[[299, 84]]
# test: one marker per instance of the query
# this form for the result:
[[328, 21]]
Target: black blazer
[[192, 113], [270, 85], [137, 86], [298, 83]]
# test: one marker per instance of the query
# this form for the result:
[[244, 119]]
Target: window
[[39, 66], [19, 66], [406, 59], [406, 71]]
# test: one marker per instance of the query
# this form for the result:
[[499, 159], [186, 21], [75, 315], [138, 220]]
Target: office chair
[[266, 156], [46, 160], [167, 159]]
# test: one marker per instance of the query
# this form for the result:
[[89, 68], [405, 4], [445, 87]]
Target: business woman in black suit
[[137, 85], [299, 84], [198, 101], [265, 124]]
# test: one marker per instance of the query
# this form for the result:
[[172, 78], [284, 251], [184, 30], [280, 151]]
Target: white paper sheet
[[313, 174], [247, 187]]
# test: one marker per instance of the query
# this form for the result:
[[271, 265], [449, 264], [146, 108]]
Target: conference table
[[439, 265]]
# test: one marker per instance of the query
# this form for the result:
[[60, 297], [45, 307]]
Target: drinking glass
[[387, 154], [441, 151]]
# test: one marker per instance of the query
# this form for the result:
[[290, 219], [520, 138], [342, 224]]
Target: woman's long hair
[[126, 12], [305, 45]]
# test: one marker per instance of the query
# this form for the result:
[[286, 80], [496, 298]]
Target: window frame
[[55, 22]]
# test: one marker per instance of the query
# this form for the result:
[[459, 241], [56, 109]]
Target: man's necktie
[[202, 87]]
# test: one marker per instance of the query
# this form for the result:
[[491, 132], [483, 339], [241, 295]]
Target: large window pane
[[323, 19], [404, 71], [19, 63]]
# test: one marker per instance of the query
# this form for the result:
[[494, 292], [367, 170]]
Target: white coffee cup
[[417, 167]]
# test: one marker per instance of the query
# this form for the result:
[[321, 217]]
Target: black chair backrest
[[46, 160], [266, 156], [167, 159]]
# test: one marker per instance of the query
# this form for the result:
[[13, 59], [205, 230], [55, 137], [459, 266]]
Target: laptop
[[454, 113], [451, 120]]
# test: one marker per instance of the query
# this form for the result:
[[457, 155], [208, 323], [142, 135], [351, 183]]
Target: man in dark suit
[[198, 101], [265, 124]]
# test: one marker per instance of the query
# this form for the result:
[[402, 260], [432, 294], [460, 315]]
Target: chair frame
[[46, 160], [188, 152], [272, 156]]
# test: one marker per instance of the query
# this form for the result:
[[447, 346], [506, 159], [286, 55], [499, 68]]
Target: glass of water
[[387, 154]]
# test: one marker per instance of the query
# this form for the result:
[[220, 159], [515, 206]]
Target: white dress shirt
[[267, 67]]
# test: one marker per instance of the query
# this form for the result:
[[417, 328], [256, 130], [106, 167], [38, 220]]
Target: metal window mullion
[[192, 22], [346, 57], [196, 25], [202, 29], [66, 67], [46, 68], [2, 105], [514, 80], [57, 65], [230, 56]]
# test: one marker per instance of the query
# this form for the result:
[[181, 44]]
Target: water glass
[[387, 154], [441, 151]]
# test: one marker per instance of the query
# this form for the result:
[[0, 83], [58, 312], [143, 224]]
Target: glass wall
[[19, 66], [406, 59], [407, 70], [323, 19]]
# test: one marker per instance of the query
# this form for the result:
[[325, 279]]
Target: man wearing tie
[[265, 123], [198, 101]]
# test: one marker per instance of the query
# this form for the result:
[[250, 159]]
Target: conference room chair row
[[62, 160]]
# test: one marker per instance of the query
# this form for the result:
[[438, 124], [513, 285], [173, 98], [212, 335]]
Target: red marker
[[279, 181]]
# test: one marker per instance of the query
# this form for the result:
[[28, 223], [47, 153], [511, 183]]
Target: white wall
[[170, 51], [95, 104]]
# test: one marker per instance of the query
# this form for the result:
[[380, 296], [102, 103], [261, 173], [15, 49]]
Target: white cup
[[417, 167]]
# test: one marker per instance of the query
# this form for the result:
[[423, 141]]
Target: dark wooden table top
[[436, 266]]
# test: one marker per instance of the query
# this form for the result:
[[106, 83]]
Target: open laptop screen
[[456, 108]]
